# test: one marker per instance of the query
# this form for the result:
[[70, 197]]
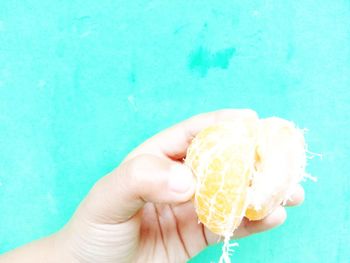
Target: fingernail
[[181, 179]]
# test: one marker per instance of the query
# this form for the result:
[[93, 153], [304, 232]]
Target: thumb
[[146, 178]]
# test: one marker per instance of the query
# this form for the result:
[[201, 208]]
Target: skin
[[141, 211]]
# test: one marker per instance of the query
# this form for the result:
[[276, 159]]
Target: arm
[[43, 250]]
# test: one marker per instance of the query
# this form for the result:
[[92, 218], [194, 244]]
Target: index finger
[[173, 142]]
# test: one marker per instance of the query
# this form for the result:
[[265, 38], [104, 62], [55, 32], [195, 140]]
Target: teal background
[[84, 82]]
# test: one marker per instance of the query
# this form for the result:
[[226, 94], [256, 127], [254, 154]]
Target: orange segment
[[280, 165], [221, 159]]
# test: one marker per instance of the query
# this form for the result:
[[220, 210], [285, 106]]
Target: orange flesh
[[229, 163], [222, 169]]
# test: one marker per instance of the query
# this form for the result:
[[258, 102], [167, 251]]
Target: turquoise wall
[[83, 82]]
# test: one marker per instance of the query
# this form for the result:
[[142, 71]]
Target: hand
[[141, 212]]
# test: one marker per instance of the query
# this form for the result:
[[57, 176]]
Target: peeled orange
[[245, 168]]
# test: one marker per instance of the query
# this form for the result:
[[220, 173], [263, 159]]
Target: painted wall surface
[[83, 82]]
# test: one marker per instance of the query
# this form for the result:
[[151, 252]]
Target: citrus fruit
[[244, 168]]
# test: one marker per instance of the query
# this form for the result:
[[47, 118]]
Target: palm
[[170, 232]]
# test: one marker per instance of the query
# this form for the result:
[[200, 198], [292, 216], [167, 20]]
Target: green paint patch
[[202, 60]]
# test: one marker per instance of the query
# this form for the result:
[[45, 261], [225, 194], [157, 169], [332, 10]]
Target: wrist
[[60, 247], [48, 249]]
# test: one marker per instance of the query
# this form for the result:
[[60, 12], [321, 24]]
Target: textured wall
[[83, 82]]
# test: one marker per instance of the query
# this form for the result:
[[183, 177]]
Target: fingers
[[146, 178], [297, 197], [276, 218], [190, 231], [173, 142], [246, 228]]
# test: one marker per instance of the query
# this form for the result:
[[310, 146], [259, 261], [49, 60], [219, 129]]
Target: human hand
[[142, 212]]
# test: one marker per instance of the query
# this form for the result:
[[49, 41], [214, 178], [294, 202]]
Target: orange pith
[[279, 141]]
